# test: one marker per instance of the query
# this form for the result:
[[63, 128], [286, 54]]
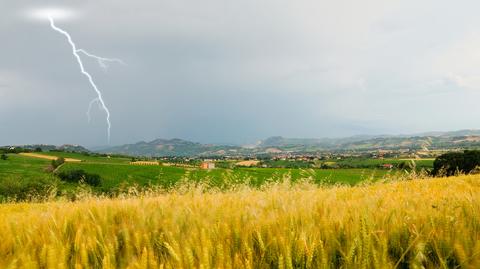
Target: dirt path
[[144, 163], [47, 157], [419, 159]]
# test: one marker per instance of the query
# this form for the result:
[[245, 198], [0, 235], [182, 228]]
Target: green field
[[25, 167], [370, 163], [87, 158], [22, 174], [23, 177], [114, 174], [363, 163]]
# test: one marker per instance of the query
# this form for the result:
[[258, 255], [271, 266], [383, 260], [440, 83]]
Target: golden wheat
[[428, 223]]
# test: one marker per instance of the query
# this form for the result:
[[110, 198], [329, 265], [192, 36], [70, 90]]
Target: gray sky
[[238, 71]]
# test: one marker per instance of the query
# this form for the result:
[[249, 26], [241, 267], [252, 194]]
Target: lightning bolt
[[102, 62], [90, 108]]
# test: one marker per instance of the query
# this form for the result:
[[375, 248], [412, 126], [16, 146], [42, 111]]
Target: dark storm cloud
[[237, 71]]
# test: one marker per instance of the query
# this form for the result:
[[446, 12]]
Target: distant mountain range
[[463, 139], [278, 144]]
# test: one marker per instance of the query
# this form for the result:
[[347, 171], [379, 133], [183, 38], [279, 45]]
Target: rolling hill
[[46, 147], [170, 147], [277, 144]]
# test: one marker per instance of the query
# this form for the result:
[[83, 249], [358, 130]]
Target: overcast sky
[[238, 71]]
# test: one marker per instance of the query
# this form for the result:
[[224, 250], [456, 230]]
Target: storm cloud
[[238, 71]]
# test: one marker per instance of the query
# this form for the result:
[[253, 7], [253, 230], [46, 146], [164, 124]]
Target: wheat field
[[429, 223]]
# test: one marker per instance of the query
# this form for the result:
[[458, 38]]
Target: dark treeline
[[452, 163]]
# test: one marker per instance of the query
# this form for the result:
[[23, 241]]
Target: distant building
[[207, 165], [387, 166]]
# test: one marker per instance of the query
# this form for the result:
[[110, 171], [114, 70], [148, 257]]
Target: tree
[[471, 159], [77, 176], [450, 163]]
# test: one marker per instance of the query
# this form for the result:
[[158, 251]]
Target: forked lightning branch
[[102, 62]]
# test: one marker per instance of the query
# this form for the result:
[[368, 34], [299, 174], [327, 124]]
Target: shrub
[[59, 161], [18, 189], [407, 165], [4, 156], [450, 163], [77, 176]]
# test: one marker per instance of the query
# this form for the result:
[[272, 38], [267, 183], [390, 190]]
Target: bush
[[77, 176], [59, 161], [18, 189], [407, 165], [449, 164], [4, 156]]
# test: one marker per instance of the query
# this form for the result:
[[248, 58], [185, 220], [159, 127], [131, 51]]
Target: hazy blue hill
[[278, 144], [169, 147], [466, 132], [72, 148]]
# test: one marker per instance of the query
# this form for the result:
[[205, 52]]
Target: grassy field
[[18, 173], [26, 167], [364, 162], [430, 223], [87, 158], [114, 174]]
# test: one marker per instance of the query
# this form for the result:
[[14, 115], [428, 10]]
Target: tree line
[[453, 163]]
